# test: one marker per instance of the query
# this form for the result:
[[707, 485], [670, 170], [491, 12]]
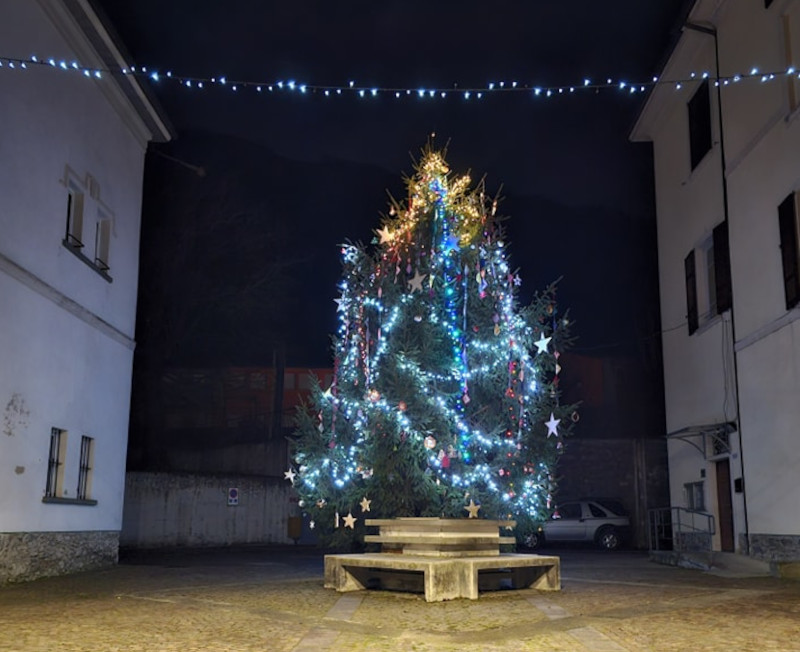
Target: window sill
[[69, 501], [76, 251], [708, 323]]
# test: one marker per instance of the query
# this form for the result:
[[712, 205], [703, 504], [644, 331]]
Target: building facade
[[724, 121], [71, 167]]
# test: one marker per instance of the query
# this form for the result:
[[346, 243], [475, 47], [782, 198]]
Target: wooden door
[[724, 506]]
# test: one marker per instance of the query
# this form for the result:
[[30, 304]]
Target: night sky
[[578, 193]]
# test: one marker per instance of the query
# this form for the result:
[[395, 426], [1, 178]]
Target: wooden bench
[[443, 578]]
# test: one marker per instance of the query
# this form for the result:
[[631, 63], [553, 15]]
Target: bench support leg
[[442, 582], [542, 578], [339, 578]]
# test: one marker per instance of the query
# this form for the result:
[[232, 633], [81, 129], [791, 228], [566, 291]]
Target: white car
[[594, 520]]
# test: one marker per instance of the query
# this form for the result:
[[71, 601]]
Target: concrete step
[[723, 564], [731, 564]]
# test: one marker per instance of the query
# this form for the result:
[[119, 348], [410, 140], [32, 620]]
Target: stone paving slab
[[274, 600]]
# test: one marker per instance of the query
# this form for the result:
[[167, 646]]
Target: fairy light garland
[[354, 89]]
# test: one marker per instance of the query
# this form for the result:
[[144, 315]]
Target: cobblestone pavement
[[273, 599]]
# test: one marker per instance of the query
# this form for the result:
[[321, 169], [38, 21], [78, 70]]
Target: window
[[85, 468], [55, 464], [691, 292], [700, 123], [568, 510], [87, 215], [596, 511], [74, 235], [787, 226], [791, 54], [710, 285], [723, 286], [711, 294], [695, 498], [101, 244]]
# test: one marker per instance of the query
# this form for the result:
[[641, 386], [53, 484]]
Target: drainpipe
[[712, 31]]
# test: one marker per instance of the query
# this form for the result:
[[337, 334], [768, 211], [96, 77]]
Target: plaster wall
[[54, 120], [59, 372], [66, 332], [761, 135]]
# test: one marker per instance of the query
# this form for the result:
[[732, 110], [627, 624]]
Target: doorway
[[724, 506]]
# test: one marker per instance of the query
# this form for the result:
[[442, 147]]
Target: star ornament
[[541, 344], [385, 235], [552, 425], [472, 508], [416, 281], [365, 504], [350, 521], [451, 243], [290, 475]]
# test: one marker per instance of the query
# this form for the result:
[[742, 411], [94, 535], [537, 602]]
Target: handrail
[[668, 524]]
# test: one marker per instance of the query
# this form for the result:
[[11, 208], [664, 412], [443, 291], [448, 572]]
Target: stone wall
[[27, 556], [692, 541], [775, 547]]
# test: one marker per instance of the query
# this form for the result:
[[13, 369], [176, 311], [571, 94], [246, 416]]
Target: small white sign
[[233, 496]]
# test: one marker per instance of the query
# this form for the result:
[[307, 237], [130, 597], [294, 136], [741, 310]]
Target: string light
[[364, 92]]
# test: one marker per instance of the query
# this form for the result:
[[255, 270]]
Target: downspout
[[711, 31]]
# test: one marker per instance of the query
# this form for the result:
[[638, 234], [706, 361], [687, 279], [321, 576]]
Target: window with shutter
[[691, 292], [791, 53], [700, 124], [787, 225], [722, 268]]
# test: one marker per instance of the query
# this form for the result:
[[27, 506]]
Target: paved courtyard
[[273, 599]]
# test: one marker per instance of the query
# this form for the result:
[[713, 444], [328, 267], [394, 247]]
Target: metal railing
[[680, 529]]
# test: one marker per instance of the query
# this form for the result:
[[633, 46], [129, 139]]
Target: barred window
[[54, 487], [85, 468]]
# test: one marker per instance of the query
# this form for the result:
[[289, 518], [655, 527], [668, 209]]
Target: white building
[[727, 174], [72, 149]]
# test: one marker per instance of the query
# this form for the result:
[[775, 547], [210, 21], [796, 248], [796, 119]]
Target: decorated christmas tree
[[445, 399]]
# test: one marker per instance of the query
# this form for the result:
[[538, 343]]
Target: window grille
[[55, 463], [85, 468]]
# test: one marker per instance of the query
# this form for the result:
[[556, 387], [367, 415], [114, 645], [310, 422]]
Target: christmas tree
[[444, 400]]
